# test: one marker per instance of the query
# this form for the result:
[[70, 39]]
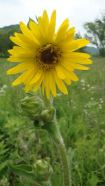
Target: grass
[[81, 117]]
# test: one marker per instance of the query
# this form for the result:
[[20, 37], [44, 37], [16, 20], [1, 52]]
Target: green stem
[[58, 140], [56, 136]]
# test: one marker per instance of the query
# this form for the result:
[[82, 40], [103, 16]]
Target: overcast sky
[[78, 11]]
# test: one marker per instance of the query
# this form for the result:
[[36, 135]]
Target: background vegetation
[[5, 42], [81, 118], [95, 32]]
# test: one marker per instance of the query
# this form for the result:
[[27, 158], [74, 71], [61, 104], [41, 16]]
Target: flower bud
[[48, 114], [32, 106], [43, 169]]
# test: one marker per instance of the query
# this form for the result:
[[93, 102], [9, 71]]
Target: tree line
[[5, 42], [95, 32]]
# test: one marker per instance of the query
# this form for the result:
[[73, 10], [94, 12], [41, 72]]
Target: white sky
[[78, 11]]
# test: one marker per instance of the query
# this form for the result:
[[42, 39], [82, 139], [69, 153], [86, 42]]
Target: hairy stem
[[56, 136], [58, 140]]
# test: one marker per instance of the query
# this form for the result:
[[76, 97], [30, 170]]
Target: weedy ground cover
[[81, 117]]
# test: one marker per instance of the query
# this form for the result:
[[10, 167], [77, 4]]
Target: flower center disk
[[48, 55]]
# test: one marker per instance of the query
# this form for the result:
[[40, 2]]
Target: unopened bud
[[32, 106], [43, 169], [48, 114]]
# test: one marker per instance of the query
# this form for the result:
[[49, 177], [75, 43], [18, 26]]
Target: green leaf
[[23, 170]]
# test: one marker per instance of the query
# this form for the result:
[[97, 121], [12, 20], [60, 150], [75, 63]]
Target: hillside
[[92, 50], [5, 43], [9, 29]]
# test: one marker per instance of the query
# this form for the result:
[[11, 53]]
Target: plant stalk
[[55, 134], [58, 141]]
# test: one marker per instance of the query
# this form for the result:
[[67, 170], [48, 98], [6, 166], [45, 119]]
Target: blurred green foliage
[[81, 118], [96, 33]]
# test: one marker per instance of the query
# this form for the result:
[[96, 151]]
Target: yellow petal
[[62, 30], [52, 25], [19, 59], [28, 75], [29, 42], [69, 36], [24, 78], [35, 29], [67, 65], [23, 56], [60, 71], [20, 68], [67, 81], [18, 81], [19, 51], [23, 41], [17, 41], [73, 76], [51, 82], [37, 85], [43, 25], [45, 18], [28, 33], [74, 45], [36, 77], [71, 64], [77, 55], [70, 33], [28, 87], [33, 87], [61, 86], [69, 74], [80, 67], [46, 85]]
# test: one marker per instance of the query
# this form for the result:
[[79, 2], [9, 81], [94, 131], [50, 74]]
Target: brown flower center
[[48, 55]]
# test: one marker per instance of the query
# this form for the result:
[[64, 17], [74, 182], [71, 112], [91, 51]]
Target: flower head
[[47, 57]]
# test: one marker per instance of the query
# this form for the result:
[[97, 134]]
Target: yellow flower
[[47, 58]]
